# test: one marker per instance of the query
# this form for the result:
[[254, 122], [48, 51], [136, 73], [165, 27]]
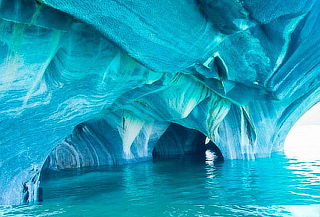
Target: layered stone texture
[[101, 82]]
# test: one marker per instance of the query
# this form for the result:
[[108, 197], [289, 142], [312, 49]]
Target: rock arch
[[240, 76]]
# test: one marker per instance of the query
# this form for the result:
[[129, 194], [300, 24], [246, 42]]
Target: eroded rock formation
[[238, 72]]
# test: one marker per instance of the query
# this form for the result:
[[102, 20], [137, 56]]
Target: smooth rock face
[[239, 72]]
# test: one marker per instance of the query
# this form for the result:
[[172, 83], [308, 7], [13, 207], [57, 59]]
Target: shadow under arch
[[179, 141]]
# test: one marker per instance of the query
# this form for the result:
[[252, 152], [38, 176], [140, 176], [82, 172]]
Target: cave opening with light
[[303, 139]]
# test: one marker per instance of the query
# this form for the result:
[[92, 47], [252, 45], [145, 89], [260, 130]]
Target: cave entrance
[[178, 141], [303, 140]]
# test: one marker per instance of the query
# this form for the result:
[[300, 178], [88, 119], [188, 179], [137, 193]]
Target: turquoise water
[[277, 186]]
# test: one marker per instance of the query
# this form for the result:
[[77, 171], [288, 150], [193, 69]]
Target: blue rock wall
[[239, 72]]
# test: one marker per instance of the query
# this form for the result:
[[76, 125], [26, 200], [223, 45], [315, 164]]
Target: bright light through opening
[[303, 140]]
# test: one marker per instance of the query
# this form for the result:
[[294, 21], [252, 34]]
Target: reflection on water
[[302, 148], [278, 186]]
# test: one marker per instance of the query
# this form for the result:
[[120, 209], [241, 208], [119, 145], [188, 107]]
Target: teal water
[[277, 186]]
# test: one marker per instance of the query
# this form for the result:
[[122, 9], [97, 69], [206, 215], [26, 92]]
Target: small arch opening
[[179, 141]]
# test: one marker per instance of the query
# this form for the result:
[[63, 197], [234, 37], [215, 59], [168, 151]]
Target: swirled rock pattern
[[102, 82]]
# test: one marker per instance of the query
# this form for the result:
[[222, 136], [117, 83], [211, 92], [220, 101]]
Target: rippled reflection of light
[[304, 211], [210, 157]]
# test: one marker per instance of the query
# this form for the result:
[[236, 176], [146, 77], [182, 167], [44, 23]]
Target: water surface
[[277, 186]]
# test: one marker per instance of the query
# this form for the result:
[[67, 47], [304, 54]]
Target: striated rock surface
[[100, 82]]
